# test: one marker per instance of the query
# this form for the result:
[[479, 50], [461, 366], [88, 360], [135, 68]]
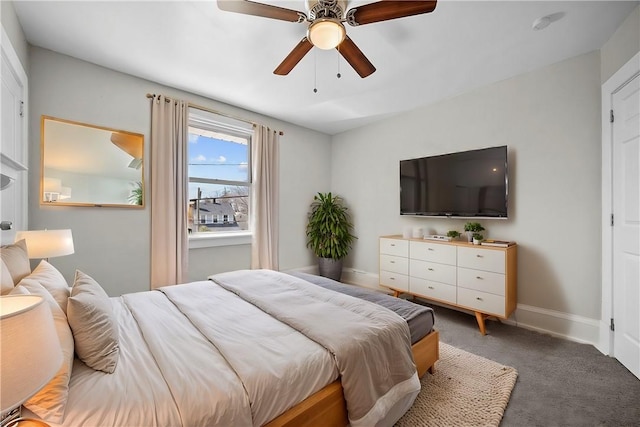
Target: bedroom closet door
[[626, 225], [13, 153]]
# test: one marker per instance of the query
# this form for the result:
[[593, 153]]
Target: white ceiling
[[192, 45]]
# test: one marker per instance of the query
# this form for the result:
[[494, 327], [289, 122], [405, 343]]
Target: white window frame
[[219, 123]]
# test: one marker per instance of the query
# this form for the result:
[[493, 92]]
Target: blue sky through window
[[216, 159]]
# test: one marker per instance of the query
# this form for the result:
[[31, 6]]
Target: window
[[219, 157]]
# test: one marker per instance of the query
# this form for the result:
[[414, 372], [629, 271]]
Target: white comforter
[[198, 354]]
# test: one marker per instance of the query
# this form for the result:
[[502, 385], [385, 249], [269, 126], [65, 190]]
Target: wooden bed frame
[[327, 406]]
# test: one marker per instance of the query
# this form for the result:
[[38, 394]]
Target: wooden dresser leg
[[480, 318], [396, 293]]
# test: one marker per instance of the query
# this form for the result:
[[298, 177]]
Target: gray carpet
[[560, 383]]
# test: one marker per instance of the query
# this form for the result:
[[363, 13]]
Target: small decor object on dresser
[[472, 227], [453, 234], [477, 238], [497, 243]]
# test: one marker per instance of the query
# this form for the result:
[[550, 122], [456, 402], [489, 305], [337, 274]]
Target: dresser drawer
[[440, 253], [480, 280], [482, 259], [394, 280], [482, 301], [395, 247], [395, 264], [435, 290], [433, 271]]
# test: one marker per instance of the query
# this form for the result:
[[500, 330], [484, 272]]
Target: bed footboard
[[327, 407]]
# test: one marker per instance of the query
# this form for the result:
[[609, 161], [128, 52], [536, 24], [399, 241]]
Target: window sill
[[198, 241]]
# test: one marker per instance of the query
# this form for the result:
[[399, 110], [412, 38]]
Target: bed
[[175, 358]]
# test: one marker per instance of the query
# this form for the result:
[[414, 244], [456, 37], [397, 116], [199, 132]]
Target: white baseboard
[[563, 325]]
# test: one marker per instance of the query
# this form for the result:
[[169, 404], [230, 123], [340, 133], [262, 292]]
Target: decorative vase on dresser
[[482, 279]]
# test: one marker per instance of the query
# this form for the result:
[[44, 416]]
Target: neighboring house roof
[[220, 208]]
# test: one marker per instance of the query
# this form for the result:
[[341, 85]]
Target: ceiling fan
[[325, 25]]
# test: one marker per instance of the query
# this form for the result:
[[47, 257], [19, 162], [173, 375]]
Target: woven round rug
[[466, 390]]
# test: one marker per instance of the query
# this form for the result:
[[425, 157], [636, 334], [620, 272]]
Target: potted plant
[[477, 238], [135, 198], [472, 227], [453, 234], [329, 233]]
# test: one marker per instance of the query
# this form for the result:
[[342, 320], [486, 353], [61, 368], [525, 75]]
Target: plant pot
[[476, 241], [469, 236], [330, 268]]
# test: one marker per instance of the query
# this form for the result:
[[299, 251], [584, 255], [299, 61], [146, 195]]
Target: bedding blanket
[[371, 345], [227, 354]]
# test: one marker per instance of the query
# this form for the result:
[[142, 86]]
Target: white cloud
[[199, 158], [243, 165], [222, 159], [193, 138]]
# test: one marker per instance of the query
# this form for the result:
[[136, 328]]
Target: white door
[[626, 225], [13, 152]]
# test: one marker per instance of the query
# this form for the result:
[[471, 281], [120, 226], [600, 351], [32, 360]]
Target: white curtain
[[169, 191], [265, 198]]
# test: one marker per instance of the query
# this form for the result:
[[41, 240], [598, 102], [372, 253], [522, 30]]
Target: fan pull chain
[[339, 75], [315, 72]]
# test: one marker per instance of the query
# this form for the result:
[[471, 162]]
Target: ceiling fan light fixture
[[326, 33]]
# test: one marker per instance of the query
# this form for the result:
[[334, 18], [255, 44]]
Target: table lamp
[[47, 243], [30, 353]]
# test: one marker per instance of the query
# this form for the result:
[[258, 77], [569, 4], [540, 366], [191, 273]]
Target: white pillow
[[6, 281], [53, 281], [49, 403], [95, 331], [16, 260]]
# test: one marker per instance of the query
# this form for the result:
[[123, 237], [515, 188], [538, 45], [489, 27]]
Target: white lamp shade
[[52, 185], [47, 243], [29, 348], [326, 33]]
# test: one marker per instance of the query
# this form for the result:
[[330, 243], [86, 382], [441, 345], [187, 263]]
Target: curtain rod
[[199, 107]]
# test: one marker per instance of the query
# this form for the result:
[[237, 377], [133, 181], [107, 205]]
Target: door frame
[[18, 166], [621, 77]]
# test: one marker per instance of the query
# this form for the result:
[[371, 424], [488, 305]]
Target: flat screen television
[[468, 184]]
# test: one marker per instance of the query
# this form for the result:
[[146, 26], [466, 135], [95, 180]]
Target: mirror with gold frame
[[86, 165]]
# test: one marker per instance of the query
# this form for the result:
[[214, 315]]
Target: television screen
[[465, 184]]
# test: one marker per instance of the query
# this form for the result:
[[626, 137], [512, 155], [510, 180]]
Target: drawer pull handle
[[431, 287], [393, 244], [392, 278], [478, 277], [430, 269], [392, 262], [429, 249], [479, 256], [479, 299]]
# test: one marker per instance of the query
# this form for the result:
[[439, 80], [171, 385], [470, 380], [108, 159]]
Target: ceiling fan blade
[[260, 9], [294, 57], [387, 9], [355, 57]]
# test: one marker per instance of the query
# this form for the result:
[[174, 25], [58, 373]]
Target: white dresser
[[482, 279]]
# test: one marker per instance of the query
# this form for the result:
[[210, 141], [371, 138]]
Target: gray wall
[[621, 46], [12, 26], [112, 244], [550, 121]]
